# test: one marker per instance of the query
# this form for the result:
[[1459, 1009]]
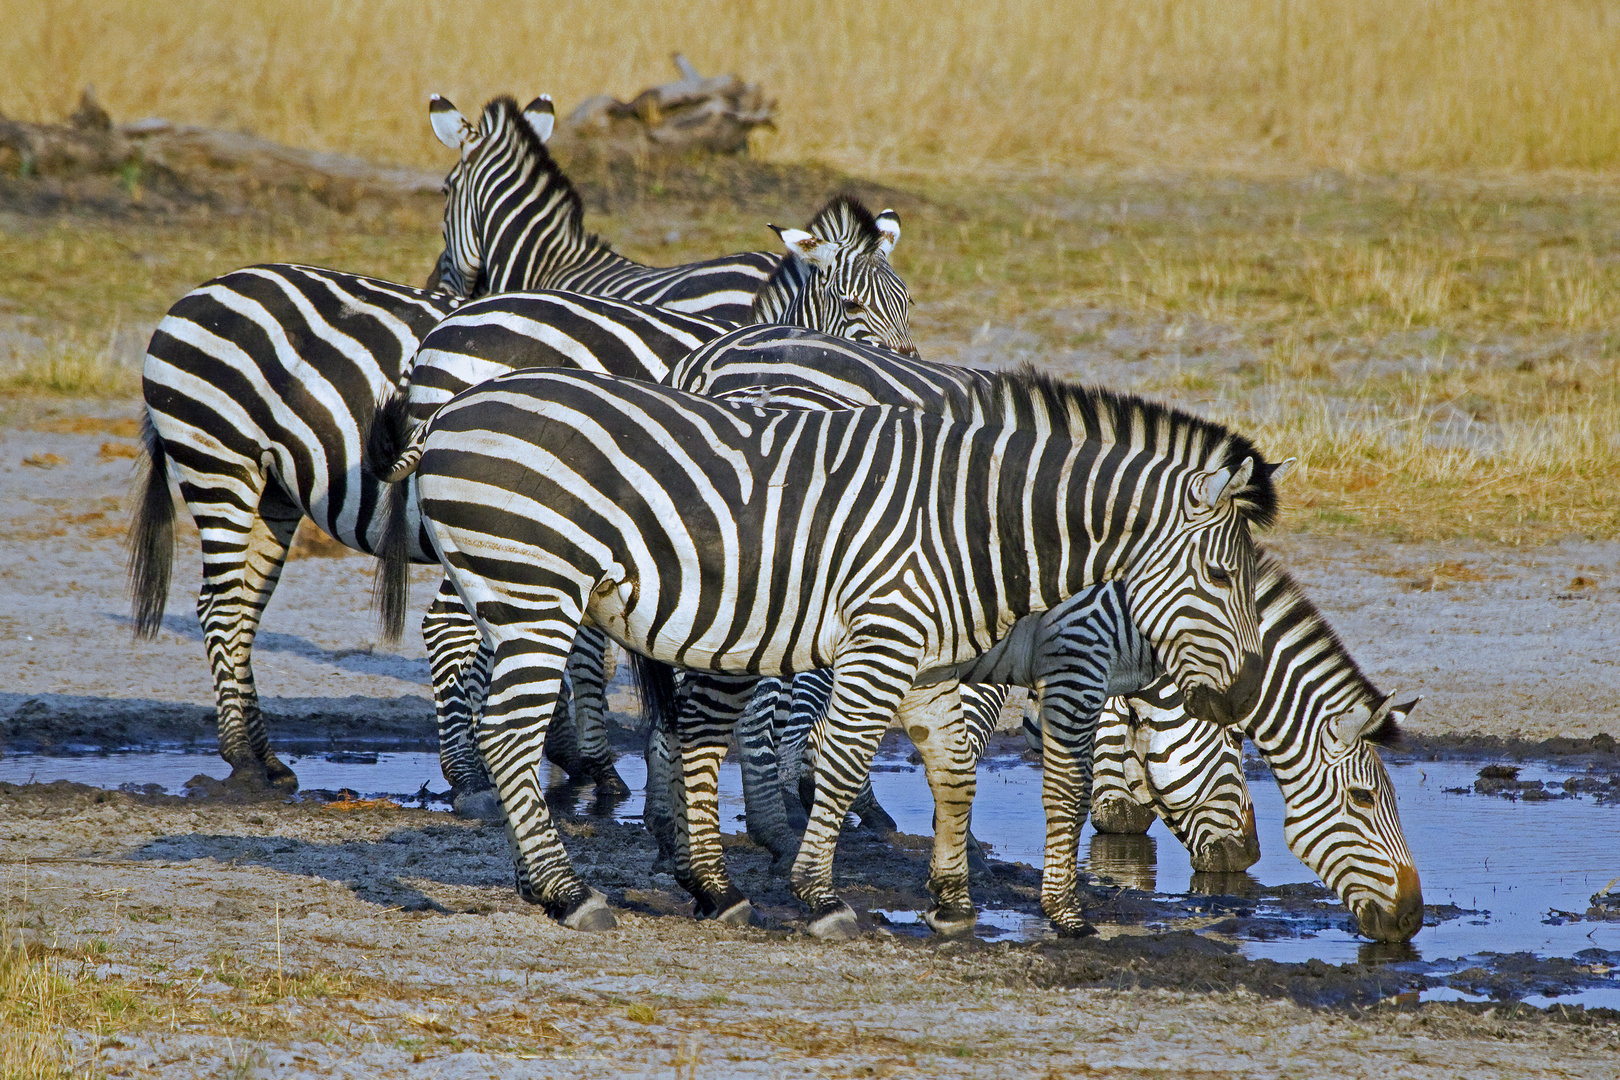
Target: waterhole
[[1502, 877]]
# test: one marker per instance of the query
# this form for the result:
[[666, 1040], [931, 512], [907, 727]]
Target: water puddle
[[1511, 880]]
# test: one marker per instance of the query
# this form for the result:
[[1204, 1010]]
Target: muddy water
[[1510, 876]]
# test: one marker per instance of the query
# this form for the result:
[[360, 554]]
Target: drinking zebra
[[837, 279], [1153, 760], [1366, 862], [885, 543], [259, 385]]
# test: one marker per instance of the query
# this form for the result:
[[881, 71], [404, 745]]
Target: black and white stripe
[[883, 543]]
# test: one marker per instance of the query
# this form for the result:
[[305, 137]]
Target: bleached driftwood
[[693, 114]]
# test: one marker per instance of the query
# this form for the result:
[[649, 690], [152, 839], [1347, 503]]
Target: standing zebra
[[836, 279], [885, 543], [259, 385]]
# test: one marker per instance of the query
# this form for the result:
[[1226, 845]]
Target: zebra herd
[[741, 472]]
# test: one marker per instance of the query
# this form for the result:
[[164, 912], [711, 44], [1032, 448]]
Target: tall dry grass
[[884, 84]]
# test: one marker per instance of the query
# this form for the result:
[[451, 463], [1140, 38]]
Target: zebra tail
[[391, 456], [655, 685], [151, 538]]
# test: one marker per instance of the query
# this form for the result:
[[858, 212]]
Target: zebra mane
[[504, 109], [1031, 399], [1286, 600], [844, 220]]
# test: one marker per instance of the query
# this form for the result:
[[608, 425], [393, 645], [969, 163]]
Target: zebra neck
[[781, 298], [541, 244]]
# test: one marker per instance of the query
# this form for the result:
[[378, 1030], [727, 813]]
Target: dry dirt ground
[[285, 940]]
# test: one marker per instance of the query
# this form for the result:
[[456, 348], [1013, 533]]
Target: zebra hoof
[[482, 805], [1079, 927], [609, 783], [839, 924], [951, 923], [592, 915], [280, 776], [739, 914]]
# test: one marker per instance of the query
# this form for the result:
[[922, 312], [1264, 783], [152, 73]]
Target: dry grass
[[884, 85]]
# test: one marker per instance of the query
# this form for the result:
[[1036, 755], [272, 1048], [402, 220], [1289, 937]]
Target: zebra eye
[[853, 307], [1219, 575], [1361, 797]]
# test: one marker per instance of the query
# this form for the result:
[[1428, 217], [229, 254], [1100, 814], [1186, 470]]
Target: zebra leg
[[932, 717], [1068, 724], [525, 683], [665, 807], [810, 692], [459, 663], [242, 561], [709, 705], [765, 809], [589, 669], [867, 690]]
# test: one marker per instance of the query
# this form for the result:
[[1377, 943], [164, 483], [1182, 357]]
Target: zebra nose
[[1406, 918], [1226, 855]]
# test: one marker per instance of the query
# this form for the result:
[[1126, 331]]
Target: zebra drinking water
[[885, 543]]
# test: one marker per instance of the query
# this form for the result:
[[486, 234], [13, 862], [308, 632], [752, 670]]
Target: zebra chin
[[1229, 708], [1400, 922]]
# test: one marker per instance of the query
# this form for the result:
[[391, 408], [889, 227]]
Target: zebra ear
[[888, 226], [541, 115], [1280, 469], [1349, 726], [448, 124], [808, 247], [1385, 726], [1223, 486]]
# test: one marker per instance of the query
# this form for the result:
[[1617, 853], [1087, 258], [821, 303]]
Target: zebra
[[837, 279], [1152, 759], [1370, 870], [718, 536]]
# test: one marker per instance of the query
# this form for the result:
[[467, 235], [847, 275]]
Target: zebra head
[[1317, 724], [1190, 772], [851, 291], [1192, 595], [498, 156]]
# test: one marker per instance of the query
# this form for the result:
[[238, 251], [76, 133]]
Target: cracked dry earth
[[292, 940]]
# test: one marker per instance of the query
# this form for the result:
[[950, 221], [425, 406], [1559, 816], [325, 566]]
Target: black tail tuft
[[151, 538], [390, 431], [655, 685], [391, 587]]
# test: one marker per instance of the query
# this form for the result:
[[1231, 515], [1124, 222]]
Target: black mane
[[504, 107], [1030, 397]]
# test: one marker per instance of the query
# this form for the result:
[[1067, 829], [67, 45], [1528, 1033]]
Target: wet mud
[[1148, 941]]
